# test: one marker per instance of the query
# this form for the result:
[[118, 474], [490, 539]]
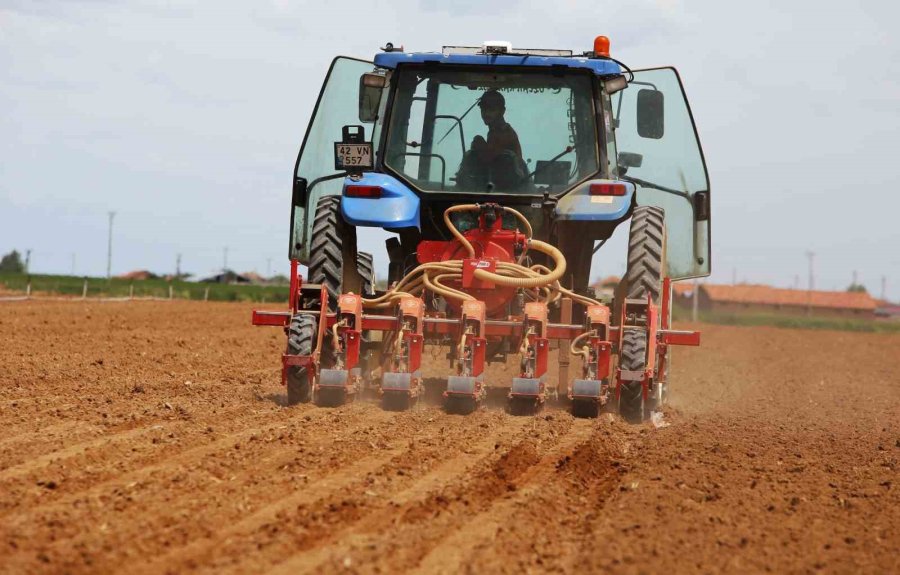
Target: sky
[[185, 119]]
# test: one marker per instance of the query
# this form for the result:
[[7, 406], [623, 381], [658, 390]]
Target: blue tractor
[[498, 172]]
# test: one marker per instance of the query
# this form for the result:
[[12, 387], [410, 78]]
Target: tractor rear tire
[[301, 335], [632, 357], [365, 264], [333, 243], [646, 253], [644, 275]]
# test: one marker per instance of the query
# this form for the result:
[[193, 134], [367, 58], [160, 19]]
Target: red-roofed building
[[138, 275], [761, 298]]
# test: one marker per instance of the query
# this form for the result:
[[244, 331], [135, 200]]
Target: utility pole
[[811, 256], [109, 247], [855, 277], [178, 266]]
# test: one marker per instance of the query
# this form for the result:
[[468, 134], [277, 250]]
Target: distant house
[[887, 310], [605, 288], [762, 298], [227, 277], [138, 275], [255, 278], [681, 290]]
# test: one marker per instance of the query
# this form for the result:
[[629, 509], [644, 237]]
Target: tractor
[[498, 173]]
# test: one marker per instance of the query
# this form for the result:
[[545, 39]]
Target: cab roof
[[599, 66]]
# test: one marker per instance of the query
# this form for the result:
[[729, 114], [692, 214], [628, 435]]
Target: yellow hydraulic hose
[[583, 351], [531, 278], [432, 275], [456, 233]]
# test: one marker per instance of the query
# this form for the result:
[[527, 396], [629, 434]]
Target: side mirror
[[628, 160], [370, 88], [650, 119]]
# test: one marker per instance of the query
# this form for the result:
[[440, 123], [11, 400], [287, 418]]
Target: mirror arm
[[312, 184], [647, 184]]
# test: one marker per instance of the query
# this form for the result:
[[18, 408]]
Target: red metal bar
[[416, 343], [666, 303], [273, 318], [479, 346], [295, 287], [603, 349], [677, 337], [351, 353], [441, 326], [565, 316], [542, 351], [652, 329]]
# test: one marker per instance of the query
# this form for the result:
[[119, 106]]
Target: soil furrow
[[333, 548], [307, 514], [164, 500], [457, 544]]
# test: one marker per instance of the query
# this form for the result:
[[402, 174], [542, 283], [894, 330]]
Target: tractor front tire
[[643, 276], [302, 333]]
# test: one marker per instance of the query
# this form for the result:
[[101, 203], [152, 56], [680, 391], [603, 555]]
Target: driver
[[501, 136], [496, 161]]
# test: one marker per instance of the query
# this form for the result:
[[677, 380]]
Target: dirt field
[[150, 436]]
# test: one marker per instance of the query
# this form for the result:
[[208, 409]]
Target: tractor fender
[[580, 205], [396, 207]]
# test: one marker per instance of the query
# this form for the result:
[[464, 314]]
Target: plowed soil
[[151, 437]]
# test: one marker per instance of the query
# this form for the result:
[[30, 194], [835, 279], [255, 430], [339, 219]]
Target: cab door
[[314, 173], [658, 148]]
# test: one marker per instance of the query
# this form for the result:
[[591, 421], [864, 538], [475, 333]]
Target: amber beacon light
[[601, 46]]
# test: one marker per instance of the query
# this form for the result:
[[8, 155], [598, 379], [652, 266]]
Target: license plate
[[352, 157]]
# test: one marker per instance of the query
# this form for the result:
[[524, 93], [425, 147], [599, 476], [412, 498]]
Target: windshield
[[476, 131]]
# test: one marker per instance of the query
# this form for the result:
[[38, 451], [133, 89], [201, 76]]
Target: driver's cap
[[492, 99]]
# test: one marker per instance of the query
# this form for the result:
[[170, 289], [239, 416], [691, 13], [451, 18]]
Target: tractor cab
[[406, 135]]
